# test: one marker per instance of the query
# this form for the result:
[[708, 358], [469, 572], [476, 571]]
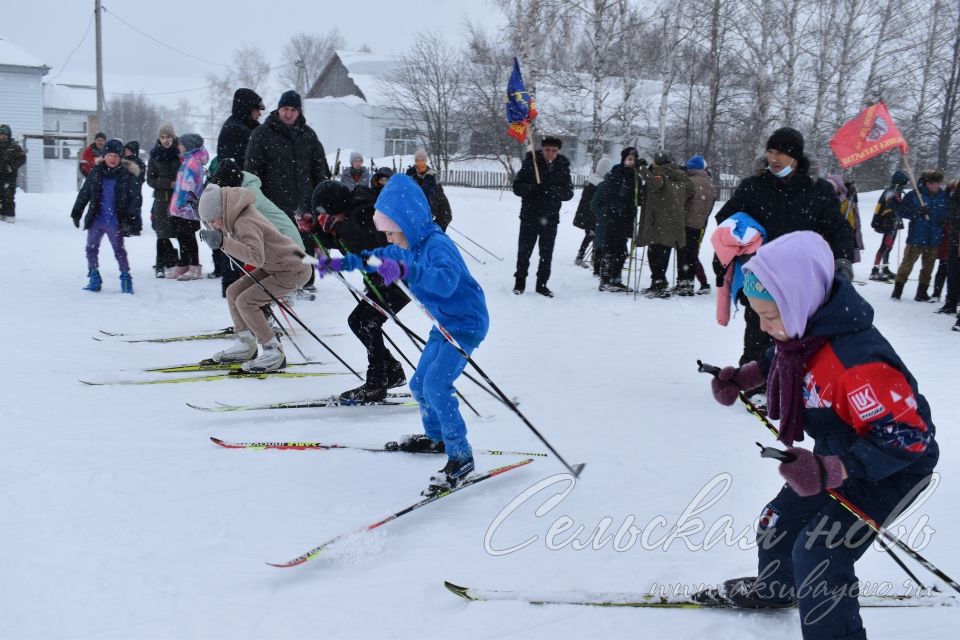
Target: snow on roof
[[368, 71], [70, 97], [13, 55]]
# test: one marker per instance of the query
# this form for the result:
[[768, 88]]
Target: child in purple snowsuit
[[113, 192]]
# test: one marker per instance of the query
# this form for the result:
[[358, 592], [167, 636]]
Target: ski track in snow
[[122, 520]]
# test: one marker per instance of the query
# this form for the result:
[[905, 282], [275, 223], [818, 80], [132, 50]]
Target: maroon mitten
[[809, 474], [730, 381]]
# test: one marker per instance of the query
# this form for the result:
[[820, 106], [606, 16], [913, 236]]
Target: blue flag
[[521, 109]]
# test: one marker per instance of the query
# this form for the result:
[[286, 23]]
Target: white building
[[21, 106], [67, 112]]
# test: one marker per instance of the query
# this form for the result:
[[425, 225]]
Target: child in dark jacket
[[429, 261], [113, 192], [834, 377]]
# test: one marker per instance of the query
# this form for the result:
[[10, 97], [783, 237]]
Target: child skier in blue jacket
[[422, 255]]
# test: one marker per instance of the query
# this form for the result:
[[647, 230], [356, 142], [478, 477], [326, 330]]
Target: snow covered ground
[[122, 520]]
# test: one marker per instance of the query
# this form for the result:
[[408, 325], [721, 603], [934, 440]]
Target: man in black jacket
[[343, 220], [287, 156], [540, 210], [786, 198], [236, 130]]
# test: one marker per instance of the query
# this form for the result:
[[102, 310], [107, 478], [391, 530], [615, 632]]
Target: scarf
[[785, 384]]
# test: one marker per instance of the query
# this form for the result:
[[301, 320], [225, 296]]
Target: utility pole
[[100, 101]]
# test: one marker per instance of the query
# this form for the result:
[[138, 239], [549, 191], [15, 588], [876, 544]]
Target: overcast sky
[[212, 29]]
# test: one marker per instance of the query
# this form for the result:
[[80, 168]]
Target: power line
[[163, 44], [75, 49], [204, 88]]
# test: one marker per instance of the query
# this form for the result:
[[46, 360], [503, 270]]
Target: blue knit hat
[[113, 146], [696, 162], [753, 288]]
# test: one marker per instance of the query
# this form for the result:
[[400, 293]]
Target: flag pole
[[533, 153], [913, 180]]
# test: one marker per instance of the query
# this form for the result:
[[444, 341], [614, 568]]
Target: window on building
[[398, 141], [51, 151]]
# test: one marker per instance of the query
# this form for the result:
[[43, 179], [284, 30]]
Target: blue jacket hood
[[403, 201], [845, 311]]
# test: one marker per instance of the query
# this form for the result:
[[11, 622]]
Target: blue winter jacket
[[436, 272], [923, 231]]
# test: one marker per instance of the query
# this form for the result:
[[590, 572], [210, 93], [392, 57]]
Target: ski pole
[[577, 469], [360, 295], [450, 226], [881, 532], [460, 246], [287, 309]]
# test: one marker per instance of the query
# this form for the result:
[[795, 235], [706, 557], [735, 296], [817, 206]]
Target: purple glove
[[326, 265], [730, 381], [809, 474], [391, 270]]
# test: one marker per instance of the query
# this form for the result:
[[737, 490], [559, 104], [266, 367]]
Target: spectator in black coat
[[426, 177], [586, 219], [540, 210], [236, 130], [287, 156], [616, 205], [131, 152], [786, 198]]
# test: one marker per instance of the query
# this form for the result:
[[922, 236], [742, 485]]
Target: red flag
[[866, 136]]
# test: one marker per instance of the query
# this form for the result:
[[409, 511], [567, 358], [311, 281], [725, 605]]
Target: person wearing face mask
[[783, 199]]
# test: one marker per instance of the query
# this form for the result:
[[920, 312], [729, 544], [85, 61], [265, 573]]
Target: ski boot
[[450, 477], [96, 282], [739, 593], [886, 275], [657, 289], [875, 275], [685, 288], [271, 358], [364, 394], [543, 290], [126, 282], [704, 290], [242, 350], [617, 287], [416, 443], [395, 375]]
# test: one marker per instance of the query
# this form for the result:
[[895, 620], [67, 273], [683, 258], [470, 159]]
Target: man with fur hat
[[540, 210], [783, 199], [286, 154], [12, 158], [235, 226], [926, 209], [661, 228]]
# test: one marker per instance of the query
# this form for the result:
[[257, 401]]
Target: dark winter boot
[[657, 289], [450, 477], [395, 375], [416, 443], [685, 288], [886, 275], [159, 271], [543, 290], [364, 394], [96, 282], [519, 285], [742, 593], [948, 307], [897, 290], [921, 293], [617, 287], [875, 274], [126, 282], [704, 290]]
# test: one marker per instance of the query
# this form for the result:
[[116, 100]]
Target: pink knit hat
[[384, 223]]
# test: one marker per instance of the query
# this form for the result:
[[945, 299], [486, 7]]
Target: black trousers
[[367, 324], [614, 255], [166, 254], [659, 257], [532, 232], [8, 189], [688, 256], [953, 274]]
